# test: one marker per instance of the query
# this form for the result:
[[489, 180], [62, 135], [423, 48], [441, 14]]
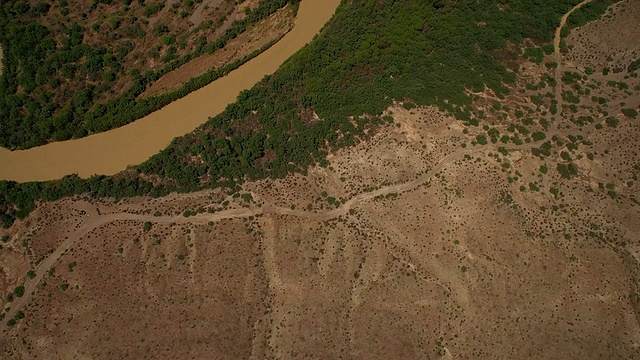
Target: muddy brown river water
[[110, 152]]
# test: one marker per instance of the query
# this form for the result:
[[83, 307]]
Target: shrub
[[538, 136], [18, 291], [168, 39], [564, 171], [534, 54], [612, 122], [408, 105]]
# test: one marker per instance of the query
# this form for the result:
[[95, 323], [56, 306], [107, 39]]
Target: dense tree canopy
[[371, 53], [37, 61]]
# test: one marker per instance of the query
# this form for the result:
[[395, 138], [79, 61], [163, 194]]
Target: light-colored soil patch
[[197, 16], [610, 42], [263, 33]]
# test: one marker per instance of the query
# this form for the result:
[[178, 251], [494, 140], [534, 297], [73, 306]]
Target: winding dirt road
[[558, 56], [95, 220], [110, 152]]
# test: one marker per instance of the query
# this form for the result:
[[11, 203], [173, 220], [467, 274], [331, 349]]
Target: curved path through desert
[[94, 220], [558, 55], [110, 152]]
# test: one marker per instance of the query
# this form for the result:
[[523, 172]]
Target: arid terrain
[[515, 239]]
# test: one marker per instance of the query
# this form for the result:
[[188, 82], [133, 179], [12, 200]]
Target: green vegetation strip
[[426, 52]]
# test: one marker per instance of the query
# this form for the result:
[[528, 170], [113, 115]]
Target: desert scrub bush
[[612, 122], [147, 226], [18, 291], [534, 54], [571, 77], [630, 113], [567, 171], [538, 136], [517, 141], [408, 105], [569, 97]]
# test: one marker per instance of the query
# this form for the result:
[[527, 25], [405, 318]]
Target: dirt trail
[[110, 152], [558, 56], [167, 6], [94, 220], [196, 17]]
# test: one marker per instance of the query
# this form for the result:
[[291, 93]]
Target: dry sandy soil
[[418, 243]]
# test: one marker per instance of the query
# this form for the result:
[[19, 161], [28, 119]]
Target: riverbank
[[113, 151]]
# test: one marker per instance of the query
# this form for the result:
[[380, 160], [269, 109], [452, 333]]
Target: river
[[112, 151]]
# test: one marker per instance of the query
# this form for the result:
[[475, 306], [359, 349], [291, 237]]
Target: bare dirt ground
[[419, 243], [257, 37], [598, 47]]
